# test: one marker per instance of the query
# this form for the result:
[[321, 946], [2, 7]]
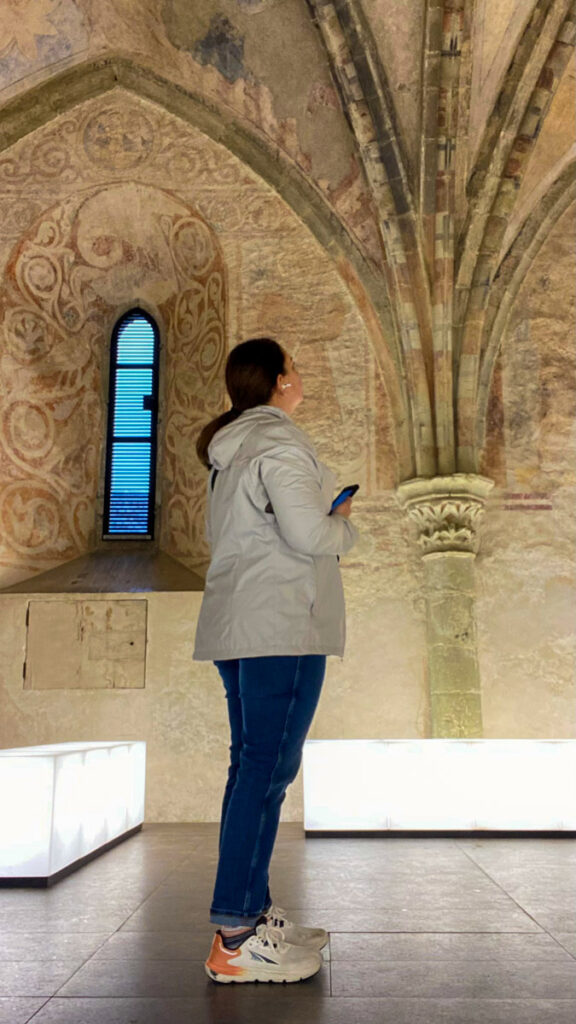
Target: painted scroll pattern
[[195, 317], [90, 230], [63, 287], [129, 140], [50, 410], [38, 36]]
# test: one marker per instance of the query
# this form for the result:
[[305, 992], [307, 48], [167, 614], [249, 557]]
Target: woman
[[273, 609]]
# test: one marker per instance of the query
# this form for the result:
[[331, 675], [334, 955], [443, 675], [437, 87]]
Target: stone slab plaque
[[85, 645]]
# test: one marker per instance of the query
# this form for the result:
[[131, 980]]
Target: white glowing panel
[[63, 801], [359, 785]]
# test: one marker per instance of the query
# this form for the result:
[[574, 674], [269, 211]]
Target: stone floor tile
[[193, 945], [185, 900], [177, 945], [268, 1004], [123, 1011], [554, 919], [71, 905], [155, 979], [349, 919], [35, 978], [166, 915], [567, 940], [462, 980], [374, 947], [54, 921], [18, 1010], [443, 924], [542, 895], [45, 946], [392, 898]]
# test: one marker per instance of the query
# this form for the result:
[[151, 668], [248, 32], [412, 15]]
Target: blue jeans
[[271, 703]]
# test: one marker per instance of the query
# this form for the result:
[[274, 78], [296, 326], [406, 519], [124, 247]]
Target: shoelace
[[268, 935], [278, 916]]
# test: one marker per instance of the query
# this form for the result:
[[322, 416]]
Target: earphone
[[284, 386]]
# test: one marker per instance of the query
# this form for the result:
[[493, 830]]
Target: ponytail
[[252, 370], [208, 432]]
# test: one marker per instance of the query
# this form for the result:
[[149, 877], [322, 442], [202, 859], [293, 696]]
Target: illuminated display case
[[440, 785], [62, 803]]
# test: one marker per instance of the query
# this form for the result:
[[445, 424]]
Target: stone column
[[447, 511]]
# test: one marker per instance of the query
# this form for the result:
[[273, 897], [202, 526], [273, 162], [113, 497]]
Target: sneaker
[[262, 956], [296, 934]]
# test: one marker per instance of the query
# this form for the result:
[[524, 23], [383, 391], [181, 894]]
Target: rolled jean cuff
[[234, 920]]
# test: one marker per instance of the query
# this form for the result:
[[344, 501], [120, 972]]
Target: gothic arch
[[510, 275], [528, 91]]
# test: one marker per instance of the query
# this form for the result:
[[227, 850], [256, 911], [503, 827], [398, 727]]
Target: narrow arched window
[[132, 428]]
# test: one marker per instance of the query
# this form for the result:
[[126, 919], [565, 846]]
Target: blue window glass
[[132, 421]]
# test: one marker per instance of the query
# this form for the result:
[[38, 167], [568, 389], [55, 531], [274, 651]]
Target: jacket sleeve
[[208, 511], [290, 477]]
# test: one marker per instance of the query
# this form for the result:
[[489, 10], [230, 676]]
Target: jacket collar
[[272, 409]]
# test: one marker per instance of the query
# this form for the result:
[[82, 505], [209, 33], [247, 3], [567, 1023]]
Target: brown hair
[[252, 370]]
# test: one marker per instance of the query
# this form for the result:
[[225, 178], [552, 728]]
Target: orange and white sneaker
[[296, 934], [262, 956]]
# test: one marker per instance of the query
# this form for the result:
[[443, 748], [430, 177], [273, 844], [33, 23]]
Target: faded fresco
[[86, 262], [35, 34], [527, 566], [217, 258], [262, 62]]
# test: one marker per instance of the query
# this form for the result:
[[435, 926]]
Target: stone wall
[[216, 258], [526, 567]]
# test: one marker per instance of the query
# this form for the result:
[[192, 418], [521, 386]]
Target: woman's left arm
[[290, 476]]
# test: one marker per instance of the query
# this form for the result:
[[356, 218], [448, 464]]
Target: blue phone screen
[[346, 493]]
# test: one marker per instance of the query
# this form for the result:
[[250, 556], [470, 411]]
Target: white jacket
[[273, 586]]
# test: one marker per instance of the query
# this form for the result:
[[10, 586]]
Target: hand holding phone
[[345, 493]]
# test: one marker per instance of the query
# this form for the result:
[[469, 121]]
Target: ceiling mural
[[37, 33], [261, 64]]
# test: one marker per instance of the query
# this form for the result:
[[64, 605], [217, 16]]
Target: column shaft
[[448, 511]]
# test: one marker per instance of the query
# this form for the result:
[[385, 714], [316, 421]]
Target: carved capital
[[447, 510]]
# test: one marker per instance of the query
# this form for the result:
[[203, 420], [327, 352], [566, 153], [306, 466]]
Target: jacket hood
[[226, 442]]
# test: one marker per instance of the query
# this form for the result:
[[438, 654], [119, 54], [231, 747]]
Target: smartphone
[[347, 492]]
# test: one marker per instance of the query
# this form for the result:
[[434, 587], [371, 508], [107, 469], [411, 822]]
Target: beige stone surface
[[379, 689], [526, 582], [180, 712], [526, 568], [85, 645]]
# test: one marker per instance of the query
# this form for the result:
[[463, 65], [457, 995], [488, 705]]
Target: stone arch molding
[[83, 260]]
